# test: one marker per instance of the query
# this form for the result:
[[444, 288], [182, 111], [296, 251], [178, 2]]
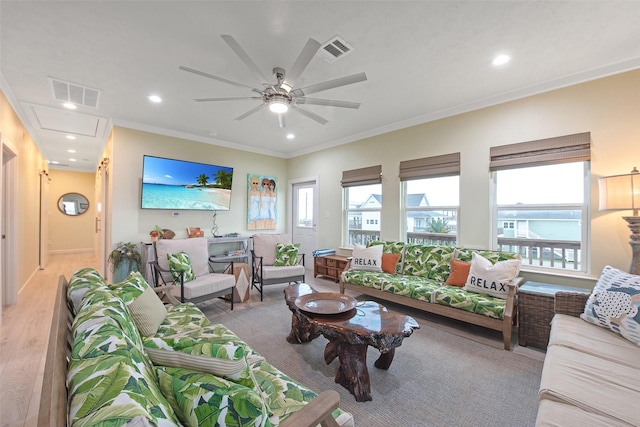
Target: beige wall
[[30, 164], [609, 108], [71, 233], [130, 223]]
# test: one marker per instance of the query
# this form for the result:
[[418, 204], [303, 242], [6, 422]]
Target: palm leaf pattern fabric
[[202, 399], [79, 283], [457, 297], [110, 390], [286, 254], [428, 261], [425, 270], [112, 381]]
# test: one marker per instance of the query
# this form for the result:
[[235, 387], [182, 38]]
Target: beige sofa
[[591, 376]]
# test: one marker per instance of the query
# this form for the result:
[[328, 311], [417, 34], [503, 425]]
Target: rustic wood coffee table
[[350, 334]]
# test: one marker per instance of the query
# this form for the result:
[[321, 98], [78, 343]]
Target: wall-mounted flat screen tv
[[179, 184]]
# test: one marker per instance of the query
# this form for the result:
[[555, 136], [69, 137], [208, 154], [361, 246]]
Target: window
[[362, 191], [541, 206], [431, 194], [364, 204], [431, 210]]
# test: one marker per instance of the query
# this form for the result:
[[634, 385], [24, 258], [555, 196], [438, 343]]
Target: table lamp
[[622, 192]]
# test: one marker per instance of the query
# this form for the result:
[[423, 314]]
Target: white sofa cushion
[[272, 272], [205, 285], [575, 333], [593, 384], [264, 245], [557, 414]]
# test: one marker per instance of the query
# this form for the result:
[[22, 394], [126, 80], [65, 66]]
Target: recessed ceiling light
[[70, 137], [70, 105], [290, 136], [71, 151], [501, 60], [155, 98], [72, 160], [55, 162]]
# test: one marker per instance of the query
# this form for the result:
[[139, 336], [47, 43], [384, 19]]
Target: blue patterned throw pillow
[[614, 303]]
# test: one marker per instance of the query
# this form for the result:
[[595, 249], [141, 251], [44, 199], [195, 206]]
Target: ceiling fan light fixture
[[279, 104]]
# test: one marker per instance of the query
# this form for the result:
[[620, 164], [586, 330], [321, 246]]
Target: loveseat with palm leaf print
[[419, 280], [136, 362]]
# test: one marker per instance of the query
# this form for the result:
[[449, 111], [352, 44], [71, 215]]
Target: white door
[[304, 217]]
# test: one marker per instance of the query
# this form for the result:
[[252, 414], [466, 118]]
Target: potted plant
[[124, 259]]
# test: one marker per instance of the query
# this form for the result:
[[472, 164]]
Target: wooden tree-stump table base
[[350, 334]]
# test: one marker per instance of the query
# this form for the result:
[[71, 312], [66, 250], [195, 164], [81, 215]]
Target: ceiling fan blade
[[250, 112], [281, 122], [211, 76], [309, 114], [227, 99], [342, 81], [233, 44], [328, 102], [301, 63]]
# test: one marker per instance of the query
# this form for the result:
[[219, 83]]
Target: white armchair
[[206, 284], [263, 256]]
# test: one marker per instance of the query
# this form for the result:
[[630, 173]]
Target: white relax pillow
[[367, 259], [491, 279]]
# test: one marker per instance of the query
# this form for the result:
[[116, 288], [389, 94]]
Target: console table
[[218, 249], [220, 246], [536, 309]]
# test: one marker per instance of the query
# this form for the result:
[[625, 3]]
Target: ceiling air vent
[[77, 94], [334, 49]]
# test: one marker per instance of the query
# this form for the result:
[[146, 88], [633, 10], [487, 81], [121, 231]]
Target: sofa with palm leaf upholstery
[[128, 354], [473, 286]]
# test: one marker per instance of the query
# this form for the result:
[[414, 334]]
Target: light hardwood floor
[[24, 335]]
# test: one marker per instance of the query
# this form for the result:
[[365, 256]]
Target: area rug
[[437, 378]]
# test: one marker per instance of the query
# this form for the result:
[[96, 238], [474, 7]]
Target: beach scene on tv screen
[[178, 184]]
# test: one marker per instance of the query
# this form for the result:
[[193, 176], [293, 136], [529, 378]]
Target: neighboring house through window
[[362, 190], [541, 201], [431, 197]]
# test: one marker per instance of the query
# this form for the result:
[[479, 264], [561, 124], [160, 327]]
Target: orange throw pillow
[[459, 272], [389, 262]]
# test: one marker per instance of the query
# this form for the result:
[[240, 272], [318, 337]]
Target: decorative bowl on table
[[325, 303]]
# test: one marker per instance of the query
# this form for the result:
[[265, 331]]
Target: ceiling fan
[[283, 94]]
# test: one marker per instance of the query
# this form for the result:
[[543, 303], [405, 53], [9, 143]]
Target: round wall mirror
[[73, 204]]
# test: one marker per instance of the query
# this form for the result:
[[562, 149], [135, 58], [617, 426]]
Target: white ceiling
[[424, 60]]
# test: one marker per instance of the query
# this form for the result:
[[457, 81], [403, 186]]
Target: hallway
[[24, 335]]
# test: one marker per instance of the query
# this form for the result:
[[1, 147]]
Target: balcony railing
[[362, 237], [559, 254], [432, 239], [563, 254]]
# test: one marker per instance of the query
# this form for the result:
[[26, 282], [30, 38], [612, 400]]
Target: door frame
[[8, 216], [316, 197]]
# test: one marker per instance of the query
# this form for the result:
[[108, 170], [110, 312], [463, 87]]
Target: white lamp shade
[[620, 192]]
